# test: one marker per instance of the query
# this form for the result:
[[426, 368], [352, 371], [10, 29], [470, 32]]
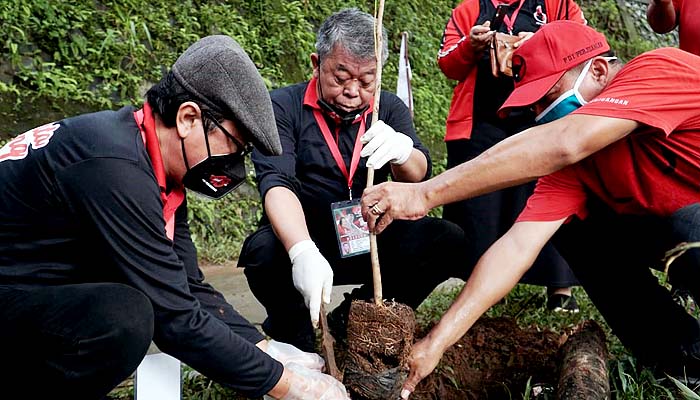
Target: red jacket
[[458, 61]]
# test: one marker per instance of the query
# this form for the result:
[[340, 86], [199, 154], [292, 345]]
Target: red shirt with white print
[[655, 169]]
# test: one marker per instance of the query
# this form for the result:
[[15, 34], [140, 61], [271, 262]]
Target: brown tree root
[[379, 342], [583, 365]]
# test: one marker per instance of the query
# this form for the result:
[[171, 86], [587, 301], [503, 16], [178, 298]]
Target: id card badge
[[350, 229]]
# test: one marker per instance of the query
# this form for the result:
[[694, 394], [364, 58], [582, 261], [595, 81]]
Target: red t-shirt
[[688, 26], [653, 170]]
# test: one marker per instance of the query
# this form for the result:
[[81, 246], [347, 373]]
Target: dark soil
[[494, 360]]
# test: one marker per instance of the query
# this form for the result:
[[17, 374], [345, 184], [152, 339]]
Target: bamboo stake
[[327, 342], [376, 272]]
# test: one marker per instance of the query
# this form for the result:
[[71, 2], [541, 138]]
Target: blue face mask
[[566, 103]]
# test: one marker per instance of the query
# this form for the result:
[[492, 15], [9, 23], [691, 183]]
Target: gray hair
[[352, 30]]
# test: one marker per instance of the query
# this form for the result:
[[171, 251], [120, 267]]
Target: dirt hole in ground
[[495, 360]]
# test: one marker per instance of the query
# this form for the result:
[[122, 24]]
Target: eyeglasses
[[243, 149]]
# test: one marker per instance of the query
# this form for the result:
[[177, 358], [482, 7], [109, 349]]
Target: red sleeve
[[558, 195], [641, 92], [456, 57], [575, 13]]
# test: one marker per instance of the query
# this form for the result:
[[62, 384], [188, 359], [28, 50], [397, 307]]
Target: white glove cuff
[[300, 247]]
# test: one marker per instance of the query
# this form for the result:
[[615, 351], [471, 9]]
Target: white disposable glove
[[383, 144], [286, 353], [308, 384], [312, 275]]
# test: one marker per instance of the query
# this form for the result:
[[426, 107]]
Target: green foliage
[[105, 54], [61, 58], [195, 386], [606, 16]]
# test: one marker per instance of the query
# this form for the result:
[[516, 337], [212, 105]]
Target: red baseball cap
[[543, 59]]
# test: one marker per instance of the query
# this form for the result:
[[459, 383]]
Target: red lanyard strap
[[510, 21], [335, 151]]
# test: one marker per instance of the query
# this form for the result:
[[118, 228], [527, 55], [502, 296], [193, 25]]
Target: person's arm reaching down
[[311, 272], [496, 273]]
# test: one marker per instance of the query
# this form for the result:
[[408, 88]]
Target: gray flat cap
[[219, 73]]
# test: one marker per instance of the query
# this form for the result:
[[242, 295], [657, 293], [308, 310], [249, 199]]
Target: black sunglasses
[[243, 149]]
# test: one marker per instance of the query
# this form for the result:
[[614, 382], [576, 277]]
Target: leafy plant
[[61, 58]]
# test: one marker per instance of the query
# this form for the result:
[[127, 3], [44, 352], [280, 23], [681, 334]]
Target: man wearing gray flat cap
[[96, 259]]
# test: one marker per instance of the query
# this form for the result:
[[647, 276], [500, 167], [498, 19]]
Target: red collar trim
[[171, 201], [147, 126]]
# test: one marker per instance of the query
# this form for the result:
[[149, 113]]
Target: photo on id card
[[350, 228]]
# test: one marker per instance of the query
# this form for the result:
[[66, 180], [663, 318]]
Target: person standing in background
[[473, 127]]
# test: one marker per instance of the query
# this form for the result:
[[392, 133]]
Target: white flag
[[403, 85]]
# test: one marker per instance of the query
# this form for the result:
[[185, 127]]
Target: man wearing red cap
[[618, 187]]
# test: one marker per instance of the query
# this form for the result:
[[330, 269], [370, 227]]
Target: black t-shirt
[[80, 203], [307, 166]]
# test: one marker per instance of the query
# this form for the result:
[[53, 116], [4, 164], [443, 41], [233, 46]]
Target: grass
[[525, 303]]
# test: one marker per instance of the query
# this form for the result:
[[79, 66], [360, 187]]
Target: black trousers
[[486, 218], [613, 257], [415, 257], [71, 341]]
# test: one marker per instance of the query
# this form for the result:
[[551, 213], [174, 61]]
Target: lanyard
[[335, 151], [510, 21]]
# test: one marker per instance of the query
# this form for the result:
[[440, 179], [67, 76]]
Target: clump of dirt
[[379, 341], [494, 360]]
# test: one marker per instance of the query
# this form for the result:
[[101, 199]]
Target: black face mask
[[339, 115], [218, 175]]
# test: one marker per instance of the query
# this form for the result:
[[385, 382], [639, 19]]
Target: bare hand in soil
[[422, 361]]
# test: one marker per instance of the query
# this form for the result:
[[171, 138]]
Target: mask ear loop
[[568, 93], [579, 80], [184, 153]]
